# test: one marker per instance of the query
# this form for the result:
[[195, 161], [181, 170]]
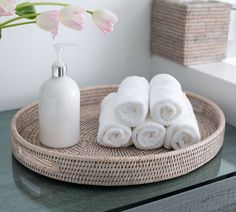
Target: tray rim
[[40, 149]]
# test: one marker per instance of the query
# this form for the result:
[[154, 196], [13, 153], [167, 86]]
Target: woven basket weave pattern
[[89, 163], [191, 32]]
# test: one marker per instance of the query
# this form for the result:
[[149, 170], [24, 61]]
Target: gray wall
[[26, 52]]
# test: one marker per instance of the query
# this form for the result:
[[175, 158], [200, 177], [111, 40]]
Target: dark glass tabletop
[[23, 190]]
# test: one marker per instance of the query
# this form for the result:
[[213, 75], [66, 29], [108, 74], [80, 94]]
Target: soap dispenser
[[59, 106]]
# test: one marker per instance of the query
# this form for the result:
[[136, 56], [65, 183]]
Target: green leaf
[[26, 9], [0, 33]]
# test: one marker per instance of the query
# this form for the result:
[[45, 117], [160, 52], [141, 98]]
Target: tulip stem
[[40, 3], [19, 18], [18, 24], [4, 24], [89, 12]]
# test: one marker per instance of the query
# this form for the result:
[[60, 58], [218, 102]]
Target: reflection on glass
[[54, 194]]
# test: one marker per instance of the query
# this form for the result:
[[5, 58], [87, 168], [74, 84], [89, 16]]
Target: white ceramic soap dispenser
[[59, 107]]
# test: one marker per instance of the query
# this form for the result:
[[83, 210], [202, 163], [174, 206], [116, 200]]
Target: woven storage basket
[[190, 32], [89, 163]]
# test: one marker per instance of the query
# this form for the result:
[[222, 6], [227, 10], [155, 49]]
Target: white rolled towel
[[131, 105], [111, 132], [149, 135], [166, 99], [184, 131]]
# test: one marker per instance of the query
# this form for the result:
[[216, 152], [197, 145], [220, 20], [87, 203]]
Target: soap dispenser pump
[[59, 106]]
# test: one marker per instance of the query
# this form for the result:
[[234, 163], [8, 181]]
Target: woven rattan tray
[[89, 163]]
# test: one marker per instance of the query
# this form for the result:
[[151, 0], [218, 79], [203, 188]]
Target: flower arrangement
[[69, 15]]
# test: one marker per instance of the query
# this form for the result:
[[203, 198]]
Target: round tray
[[89, 163]]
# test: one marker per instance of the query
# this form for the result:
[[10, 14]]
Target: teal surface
[[23, 190]]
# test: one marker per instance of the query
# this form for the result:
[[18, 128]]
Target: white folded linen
[[184, 131], [131, 105], [166, 99], [111, 132], [149, 135]]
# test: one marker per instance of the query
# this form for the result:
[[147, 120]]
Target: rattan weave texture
[[190, 32]]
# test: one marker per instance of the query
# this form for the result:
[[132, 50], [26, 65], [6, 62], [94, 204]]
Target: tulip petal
[[104, 20], [7, 7], [72, 17], [49, 21]]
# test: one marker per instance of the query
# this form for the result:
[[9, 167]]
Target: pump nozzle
[[59, 69]]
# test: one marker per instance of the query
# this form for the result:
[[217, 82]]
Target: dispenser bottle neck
[[59, 71]]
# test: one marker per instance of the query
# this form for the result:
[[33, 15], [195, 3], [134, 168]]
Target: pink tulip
[[7, 7], [104, 19], [49, 21], [72, 17]]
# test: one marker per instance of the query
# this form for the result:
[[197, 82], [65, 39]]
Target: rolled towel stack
[[184, 131], [131, 105], [112, 132], [171, 121], [149, 135], [166, 99]]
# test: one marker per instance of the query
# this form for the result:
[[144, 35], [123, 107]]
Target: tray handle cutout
[[36, 161]]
